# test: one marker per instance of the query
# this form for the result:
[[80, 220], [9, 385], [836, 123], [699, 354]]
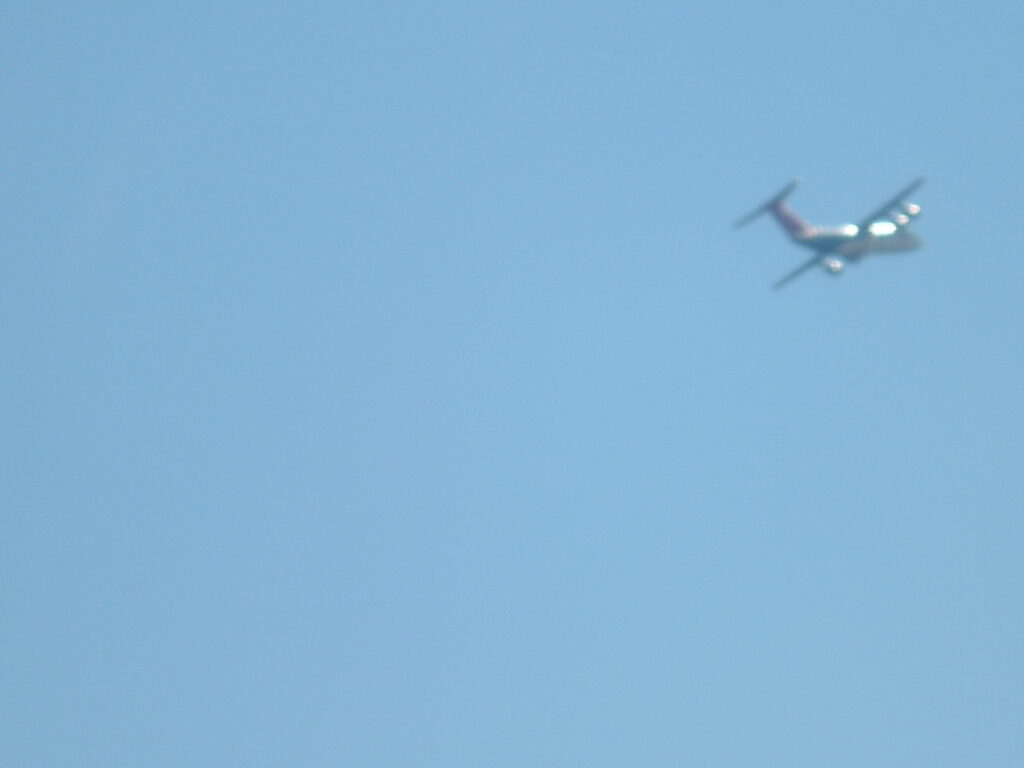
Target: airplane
[[885, 230]]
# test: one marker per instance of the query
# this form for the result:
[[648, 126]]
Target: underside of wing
[[885, 212], [810, 263]]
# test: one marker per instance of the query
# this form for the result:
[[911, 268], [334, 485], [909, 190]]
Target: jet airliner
[[884, 230]]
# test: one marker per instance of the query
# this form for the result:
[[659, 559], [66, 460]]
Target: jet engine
[[902, 215]]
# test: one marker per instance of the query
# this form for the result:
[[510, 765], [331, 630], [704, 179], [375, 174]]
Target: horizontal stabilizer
[[767, 204]]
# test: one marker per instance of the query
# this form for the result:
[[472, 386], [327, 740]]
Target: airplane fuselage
[[846, 240]]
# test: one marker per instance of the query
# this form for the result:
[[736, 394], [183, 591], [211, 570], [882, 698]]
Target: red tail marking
[[790, 221]]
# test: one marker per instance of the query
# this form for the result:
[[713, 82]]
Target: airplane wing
[[884, 212], [811, 262]]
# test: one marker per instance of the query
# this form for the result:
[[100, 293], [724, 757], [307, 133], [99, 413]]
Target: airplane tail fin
[[782, 213]]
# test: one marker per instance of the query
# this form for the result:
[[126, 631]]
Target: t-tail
[[783, 214]]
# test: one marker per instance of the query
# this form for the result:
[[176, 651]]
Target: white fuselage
[[847, 240]]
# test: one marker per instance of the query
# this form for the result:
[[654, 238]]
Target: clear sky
[[384, 385]]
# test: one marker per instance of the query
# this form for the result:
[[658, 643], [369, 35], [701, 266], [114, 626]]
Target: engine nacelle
[[902, 215]]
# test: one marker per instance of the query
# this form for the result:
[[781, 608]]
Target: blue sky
[[385, 386]]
